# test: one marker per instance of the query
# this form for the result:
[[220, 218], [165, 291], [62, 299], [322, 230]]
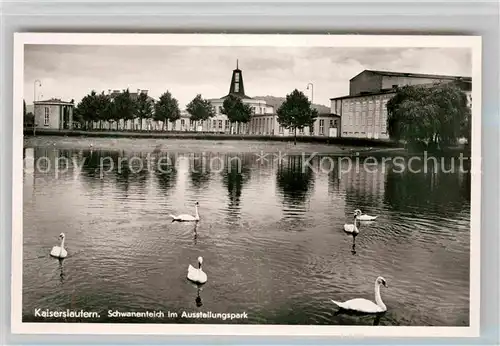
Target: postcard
[[228, 184]]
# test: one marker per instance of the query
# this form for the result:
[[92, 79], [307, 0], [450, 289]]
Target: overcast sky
[[71, 72]]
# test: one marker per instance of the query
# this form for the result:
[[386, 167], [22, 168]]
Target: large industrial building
[[363, 112]]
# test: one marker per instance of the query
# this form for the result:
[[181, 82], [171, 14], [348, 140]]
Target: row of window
[[255, 110], [357, 133], [365, 119]]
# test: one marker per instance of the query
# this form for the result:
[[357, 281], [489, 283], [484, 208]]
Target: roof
[[243, 97], [413, 75], [392, 91], [388, 91], [54, 101]]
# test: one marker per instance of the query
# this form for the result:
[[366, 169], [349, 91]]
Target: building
[[54, 114], [363, 112], [264, 120], [220, 122]]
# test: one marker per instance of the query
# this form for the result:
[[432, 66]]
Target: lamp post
[[312, 90], [35, 83], [312, 96]]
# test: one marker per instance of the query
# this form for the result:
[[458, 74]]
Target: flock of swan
[[198, 276]]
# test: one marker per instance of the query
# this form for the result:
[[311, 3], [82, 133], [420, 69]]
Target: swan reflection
[[195, 232], [61, 270], [198, 301], [353, 251], [361, 315]]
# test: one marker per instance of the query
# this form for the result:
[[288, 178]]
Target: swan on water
[[59, 251], [187, 217], [196, 274], [352, 228], [365, 305], [364, 217]]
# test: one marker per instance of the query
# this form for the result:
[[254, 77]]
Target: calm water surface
[[271, 233]]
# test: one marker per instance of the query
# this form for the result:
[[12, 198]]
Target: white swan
[[352, 228], [364, 217], [187, 217], [196, 274], [59, 251], [365, 305]]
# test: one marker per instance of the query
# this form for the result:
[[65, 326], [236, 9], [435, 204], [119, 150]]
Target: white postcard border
[[365, 41]]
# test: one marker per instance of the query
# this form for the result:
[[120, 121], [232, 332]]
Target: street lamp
[[311, 127], [312, 90], [35, 83]]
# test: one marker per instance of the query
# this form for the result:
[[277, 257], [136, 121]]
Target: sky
[[70, 71]]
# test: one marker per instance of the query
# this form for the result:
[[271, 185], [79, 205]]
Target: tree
[[102, 106], [124, 107], [430, 115], [86, 110], [200, 109], [167, 109], [236, 111], [29, 119], [144, 107], [296, 112]]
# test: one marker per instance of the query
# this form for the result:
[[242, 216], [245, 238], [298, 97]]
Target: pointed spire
[[236, 87]]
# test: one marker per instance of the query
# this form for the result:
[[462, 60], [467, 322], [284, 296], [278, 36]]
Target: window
[[191, 122], [322, 127], [301, 130], [214, 124], [236, 87], [254, 110], [394, 86], [237, 77], [227, 124], [331, 122], [183, 122], [311, 129], [281, 129], [46, 118], [220, 124]]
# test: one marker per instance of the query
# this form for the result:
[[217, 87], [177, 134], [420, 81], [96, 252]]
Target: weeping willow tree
[[435, 116]]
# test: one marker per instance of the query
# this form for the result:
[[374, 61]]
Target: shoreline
[[361, 142], [333, 146]]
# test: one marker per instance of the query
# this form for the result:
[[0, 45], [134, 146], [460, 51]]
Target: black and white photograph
[[246, 184]]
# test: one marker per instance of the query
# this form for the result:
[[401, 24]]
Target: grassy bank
[[354, 142]]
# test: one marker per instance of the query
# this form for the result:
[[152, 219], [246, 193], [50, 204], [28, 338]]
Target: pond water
[[270, 233]]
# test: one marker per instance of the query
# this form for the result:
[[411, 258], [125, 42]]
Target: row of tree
[[296, 111], [435, 116]]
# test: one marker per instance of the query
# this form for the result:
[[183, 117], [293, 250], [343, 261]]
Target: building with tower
[[263, 117]]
